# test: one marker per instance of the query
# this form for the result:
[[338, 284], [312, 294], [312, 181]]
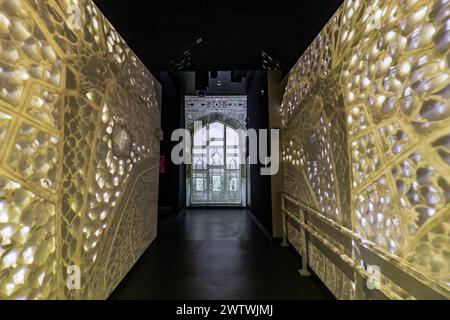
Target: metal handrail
[[416, 284]]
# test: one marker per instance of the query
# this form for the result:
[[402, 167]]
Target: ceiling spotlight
[[268, 62]]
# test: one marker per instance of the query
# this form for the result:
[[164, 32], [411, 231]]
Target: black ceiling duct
[[201, 82], [214, 74], [237, 76]]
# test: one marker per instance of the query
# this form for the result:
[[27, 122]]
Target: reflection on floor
[[216, 254]]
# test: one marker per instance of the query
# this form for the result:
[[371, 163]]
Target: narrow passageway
[[216, 254]]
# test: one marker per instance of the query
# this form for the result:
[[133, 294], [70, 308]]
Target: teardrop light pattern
[[79, 146], [366, 117]]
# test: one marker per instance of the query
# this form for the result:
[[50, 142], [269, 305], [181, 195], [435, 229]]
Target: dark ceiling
[[233, 33]]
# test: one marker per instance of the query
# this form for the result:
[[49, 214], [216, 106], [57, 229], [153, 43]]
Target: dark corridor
[[216, 254]]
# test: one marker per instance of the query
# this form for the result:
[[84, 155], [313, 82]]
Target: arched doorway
[[217, 174]]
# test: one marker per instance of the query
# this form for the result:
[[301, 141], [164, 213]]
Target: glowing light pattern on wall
[[367, 136], [79, 151]]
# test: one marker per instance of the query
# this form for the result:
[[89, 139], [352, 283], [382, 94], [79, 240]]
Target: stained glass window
[[217, 183], [233, 184], [199, 184], [216, 167]]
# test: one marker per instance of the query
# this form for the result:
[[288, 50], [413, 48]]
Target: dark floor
[[216, 254]]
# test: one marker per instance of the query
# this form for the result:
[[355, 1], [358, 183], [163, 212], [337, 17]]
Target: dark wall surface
[[172, 189], [258, 118]]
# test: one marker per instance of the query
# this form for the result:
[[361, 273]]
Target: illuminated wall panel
[[79, 151], [366, 144]]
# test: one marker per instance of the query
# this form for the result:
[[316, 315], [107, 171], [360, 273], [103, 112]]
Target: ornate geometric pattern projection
[[367, 138], [79, 146], [198, 108]]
